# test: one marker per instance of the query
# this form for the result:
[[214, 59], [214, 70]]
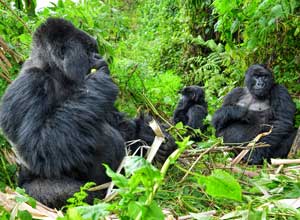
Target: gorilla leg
[[284, 147], [280, 150], [239, 132], [55, 192]]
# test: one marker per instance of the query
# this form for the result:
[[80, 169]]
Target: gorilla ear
[[76, 62]]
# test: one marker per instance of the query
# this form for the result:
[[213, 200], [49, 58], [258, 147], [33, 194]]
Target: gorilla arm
[[230, 111], [180, 111], [283, 111], [196, 114], [55, 138]]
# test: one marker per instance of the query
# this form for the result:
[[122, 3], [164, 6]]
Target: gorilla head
[[259, 80], [192, 95], [59, 45]]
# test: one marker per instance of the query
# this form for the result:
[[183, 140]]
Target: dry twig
[[250, 145], [284, 161], [7, 201]]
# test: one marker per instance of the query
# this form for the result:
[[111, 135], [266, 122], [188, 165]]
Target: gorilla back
[[55, 114], [261, 105]]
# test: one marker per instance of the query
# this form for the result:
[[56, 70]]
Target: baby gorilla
[[192, 108], [57, 115], [139, 129], [246, 112]]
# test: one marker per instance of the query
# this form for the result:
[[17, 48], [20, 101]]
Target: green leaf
[[221, 184], [235, 25], [179, 125], [134, 208], [23, 197], [117, 178], [154, 212], [211, 44], [73, 214], [94, 212], [200, 216], [277, 11], [151, 212], [256, 214], [133, 164], [24, 215]]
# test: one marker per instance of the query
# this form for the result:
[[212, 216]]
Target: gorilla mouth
[[259, 93]]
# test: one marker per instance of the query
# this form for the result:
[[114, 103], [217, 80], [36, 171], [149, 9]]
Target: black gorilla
[[246, 112], [62, 120], [192, 108], [139, 129], [59, 117]]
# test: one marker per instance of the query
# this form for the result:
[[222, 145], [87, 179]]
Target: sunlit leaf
[[221, 184]]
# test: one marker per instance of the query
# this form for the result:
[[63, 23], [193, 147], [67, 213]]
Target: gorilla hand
[[98, 63]]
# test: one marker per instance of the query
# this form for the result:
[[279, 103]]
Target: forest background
[[154, 48]]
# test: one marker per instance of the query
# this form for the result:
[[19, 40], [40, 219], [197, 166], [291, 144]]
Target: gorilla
[[192, 108], [56, 115], [61, 118], [139, 129], [248, 111]]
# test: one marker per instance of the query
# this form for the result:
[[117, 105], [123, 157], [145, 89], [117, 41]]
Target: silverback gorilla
[[191, 109], [61, 119], [248, 111]]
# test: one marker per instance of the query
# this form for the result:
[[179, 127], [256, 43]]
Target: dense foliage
[[154, 48]]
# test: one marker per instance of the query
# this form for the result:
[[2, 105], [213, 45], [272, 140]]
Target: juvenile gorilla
[[192, 108], [246, 112], [139, 129], [59, 117]]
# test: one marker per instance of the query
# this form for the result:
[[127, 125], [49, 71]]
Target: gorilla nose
[[260, 84]]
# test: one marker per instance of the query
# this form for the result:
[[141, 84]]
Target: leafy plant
[[221, 184], [135, 187], [79, 197]]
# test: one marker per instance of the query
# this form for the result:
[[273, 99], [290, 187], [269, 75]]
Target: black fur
[[192, 108], [59, 117], [139, 129], [62, 120], [246, 112]]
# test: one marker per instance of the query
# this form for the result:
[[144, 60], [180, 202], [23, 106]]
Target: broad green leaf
[[134, 163], [200, 216], [94, 212], [276, 11], [23, 197], [154, 212], [73, 214], [221, 184], [134, 209], [179, 125], [235, 25], [117, 178], [24, 215]]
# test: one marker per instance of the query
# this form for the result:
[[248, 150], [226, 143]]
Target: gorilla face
[[192, 94], [259, 81], [59, 45]]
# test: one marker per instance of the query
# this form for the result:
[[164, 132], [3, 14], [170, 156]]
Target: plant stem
[[170, 160]]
